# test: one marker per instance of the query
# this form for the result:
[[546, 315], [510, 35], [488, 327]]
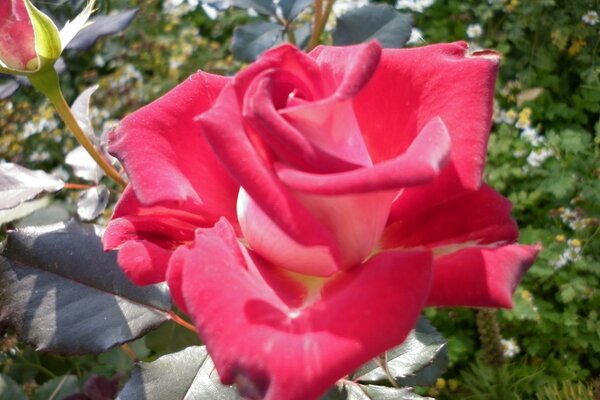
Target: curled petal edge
[[420, 164]]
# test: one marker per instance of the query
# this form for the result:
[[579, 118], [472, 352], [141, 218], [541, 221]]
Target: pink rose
[[17, 40], [305, 211]]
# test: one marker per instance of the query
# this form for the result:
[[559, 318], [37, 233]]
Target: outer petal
[[480, 276], [167, 159], [147, 236], [419, 84], [17, 40], [480, 217], [261, 340]]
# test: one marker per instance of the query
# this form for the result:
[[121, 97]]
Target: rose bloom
[[17, 39], [305, 211]]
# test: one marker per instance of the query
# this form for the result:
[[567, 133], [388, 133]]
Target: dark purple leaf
[[61, 292], [102, 26]]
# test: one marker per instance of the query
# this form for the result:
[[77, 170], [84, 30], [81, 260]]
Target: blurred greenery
[[544, 155]]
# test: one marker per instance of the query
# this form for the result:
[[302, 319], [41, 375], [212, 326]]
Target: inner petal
[[265, 237], [331, 126]]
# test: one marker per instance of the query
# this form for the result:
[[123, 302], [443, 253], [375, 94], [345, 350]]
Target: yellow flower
[[558, 39], [560, 238], [440, 384], [453, 384], [576, 46]]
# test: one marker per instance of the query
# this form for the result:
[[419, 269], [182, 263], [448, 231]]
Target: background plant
[[544, 155]]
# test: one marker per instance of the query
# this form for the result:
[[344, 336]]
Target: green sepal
[[47, 39]]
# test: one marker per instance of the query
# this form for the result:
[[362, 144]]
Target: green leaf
[[8, 87], [103, 25], [171, 337], [57, 388], [420, 360], [61, 292], [189, 374], [10, 390], [92, 202], [19, 184], [250, 41], [72, 28], [376, 21], [81, 111], [22, 210]]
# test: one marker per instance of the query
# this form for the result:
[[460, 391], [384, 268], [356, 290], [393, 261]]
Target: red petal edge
[[420, 164], [480, 276], [270, 349]]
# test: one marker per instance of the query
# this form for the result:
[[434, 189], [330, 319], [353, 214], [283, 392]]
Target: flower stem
[[76, 186], [47, 82], [315, 34], [319, 22], [129, 352], [178, 320]]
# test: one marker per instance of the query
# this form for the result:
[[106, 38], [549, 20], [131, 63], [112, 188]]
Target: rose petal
[[144, 262], [480, 276], [167, 159], [420, 84], [284, 58], [290, 145], [349, 76], [421, 163], [331, 126], [355, 221], [17, 39], [147, 236], [480, 217], [225, 131], [330, 123], [273, 350]]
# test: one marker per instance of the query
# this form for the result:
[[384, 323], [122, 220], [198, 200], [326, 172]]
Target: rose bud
[[30, 42]]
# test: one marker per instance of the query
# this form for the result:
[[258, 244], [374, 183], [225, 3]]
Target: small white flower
[[538, 156], [510, 348], [532, 136], [519, 153], [416, 36], [590, 18], [474, 31], [341, 7], [508, 117], [571, 254], [414, 5]]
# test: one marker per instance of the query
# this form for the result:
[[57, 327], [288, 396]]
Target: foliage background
[[544, 155]]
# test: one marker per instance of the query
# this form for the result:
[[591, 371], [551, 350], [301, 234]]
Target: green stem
[[178, 320], [47, 82], [26, 363], [315, 34], [290, 33], [320, 20]]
